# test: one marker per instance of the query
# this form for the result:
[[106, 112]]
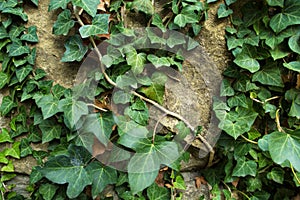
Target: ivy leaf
[[155, 39], [49, 105], [101, 177], [279, 52], [226, 89], [48, 190], [121, 97], [143, 6], [14, 151], [126, 80], [25, 148], [279, 3], [269, 76], [35, 2], [50, 130], [7, 105], [223, 11], [246, 62], [294, 43], [4, 136], [62, 169], [31, 35], [99, 26], [158, 62], [17, 49], [175, 39], [23, 72], [18, 11], [54, 4], [154, 192], [90, 6], [290, 15], [276, 174], [63, 23], [143, 167], [99, 125], [157, 21], [285, 146], [185, 17], [294, 65], [73, 110], [244, 168], [237, 122], [75, 50], [155, 92], [3, 32], [3, 79], [136, 61]]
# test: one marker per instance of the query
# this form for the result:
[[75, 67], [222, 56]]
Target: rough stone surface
[[50, 47]]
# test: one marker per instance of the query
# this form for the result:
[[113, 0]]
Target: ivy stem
[[248, 140], [110, 81], [295, 175], [156, 125], [277, 120], [97, 107]]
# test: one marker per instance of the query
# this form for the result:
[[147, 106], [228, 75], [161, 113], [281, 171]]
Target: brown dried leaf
[[199, 181], [235, 182], [160, 179]]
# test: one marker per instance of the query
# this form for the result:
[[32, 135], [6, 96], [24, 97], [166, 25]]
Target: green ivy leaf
[[253, 184], [90, 6], [140, 114], [294, 43], [246, 62], [73, 110], [54, 4], [269, 76], [229, 2], [285, 146], [175, 39], [18, 11], [290, 15], [155, 39], [50, 130], [238, 100], [276, 174], [4, 136], [136, 61], [15, 31], [48, 190], [8, 168], [100, 125], [279, 3], [31, 57], [237, 122], [186, 17], [101, 177], [7, 105], [3, 79], [294, 65], [279, 52], [154, 192], [31, 35], [223, 11], [75, 50], [14, 151], [143, 6], [99, 26], [157, 21], [3, 32], [23, 72], [158, 62], [49, 105], [155, 92], [63, 23], [226, 89], [143, 167], [244, 168], [121, 97], [126, 80], [62, 169], [17, 49], [25, 148]]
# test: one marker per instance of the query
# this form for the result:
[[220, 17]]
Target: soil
[[214, 53]]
